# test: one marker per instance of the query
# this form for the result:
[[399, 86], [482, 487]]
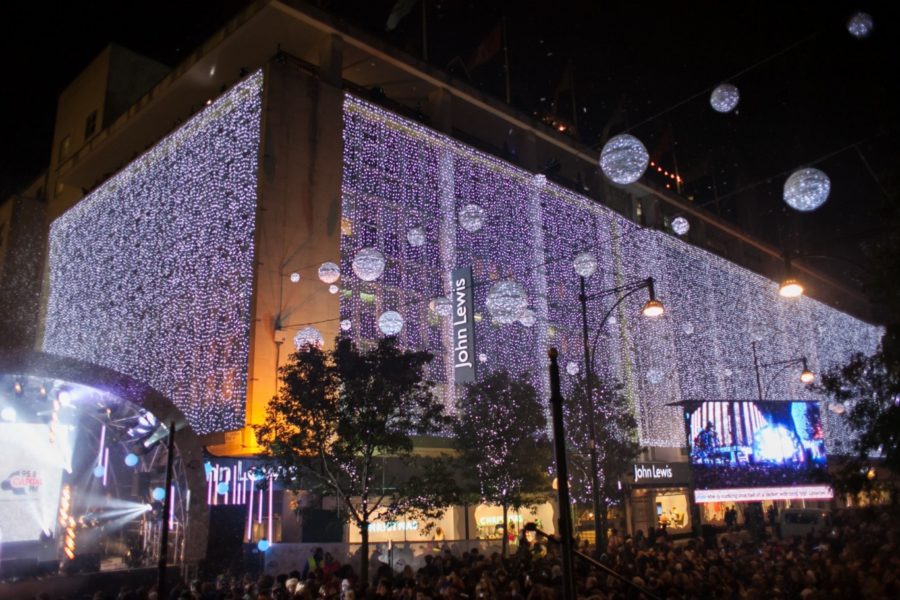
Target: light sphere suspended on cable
[[724, 98], [624, 159], [346, 324], [654, 376], [333, 289], [329, 272], [471, 218], [295, 277], [390, 322], [368, 264], [585, 264], [415, 237], [307, 337], [806, 189], [527, 318], [572, 368], [860, 25], [680, 225], [506, 301], [441, 306]]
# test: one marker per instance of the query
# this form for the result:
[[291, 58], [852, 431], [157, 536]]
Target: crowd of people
[[855, 556]]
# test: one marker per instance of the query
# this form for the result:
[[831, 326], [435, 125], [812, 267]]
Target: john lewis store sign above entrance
[[654, 473], [463, 326]]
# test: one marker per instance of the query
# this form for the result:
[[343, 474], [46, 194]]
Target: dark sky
[[810, 93]]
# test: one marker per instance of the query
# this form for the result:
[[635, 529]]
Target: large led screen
[[756, 444], [31, 468]]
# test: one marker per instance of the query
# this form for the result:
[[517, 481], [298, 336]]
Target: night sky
[[811, 95]]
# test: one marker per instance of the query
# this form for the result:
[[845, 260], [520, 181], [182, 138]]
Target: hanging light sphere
[[222, 488], [441, 306], [527, 318], [585, 264], [295, 277], [860, 25], [308, 337], [471, 218], [131, 459], [158, 494], [654, 376], [724, 98], [329, 272], [837, 408], [572, 368], [806, 189], [262, 545], [680, 225], [506, 301], [99, 471], [415, 237], [368, 264], [333, 289], [482, 358], [346, 324], [624, 159], [390, 322]]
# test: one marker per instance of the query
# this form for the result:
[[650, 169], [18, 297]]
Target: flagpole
[[506, 62]]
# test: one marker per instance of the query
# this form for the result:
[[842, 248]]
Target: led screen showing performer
[[756, 444]]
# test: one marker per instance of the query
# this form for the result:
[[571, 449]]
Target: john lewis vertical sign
[[463, 325]]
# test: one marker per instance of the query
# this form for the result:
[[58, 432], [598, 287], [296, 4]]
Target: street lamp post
[[806, 376], [652, 308]]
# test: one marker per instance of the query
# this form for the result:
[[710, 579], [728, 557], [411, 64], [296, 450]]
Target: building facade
[[294, 205]]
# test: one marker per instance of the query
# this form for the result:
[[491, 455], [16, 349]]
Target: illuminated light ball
[[728, 372], [333, 289], [654, 376], [506, 301], [612, 320], [368, 264], [65, 398], [308, 337], [390, 322], [346, 324], [680, 225], [688, 328], [295, 277], [527, 318], [8, 414], [131, 459], [471, 218], [724, 98], [572, 368], [860, 25], [624, 159], [415, 237], [222, 488], [482, 357], [158, 494], [329, 272], [806, 189], [99, 471], [441, 306], [585, 264], [262, 545]]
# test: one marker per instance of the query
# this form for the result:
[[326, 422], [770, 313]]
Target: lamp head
[[807, 376], [790, 288], [653, 308]]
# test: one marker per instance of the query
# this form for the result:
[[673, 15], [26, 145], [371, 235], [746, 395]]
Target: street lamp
[[652, 308], [806, 376]]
